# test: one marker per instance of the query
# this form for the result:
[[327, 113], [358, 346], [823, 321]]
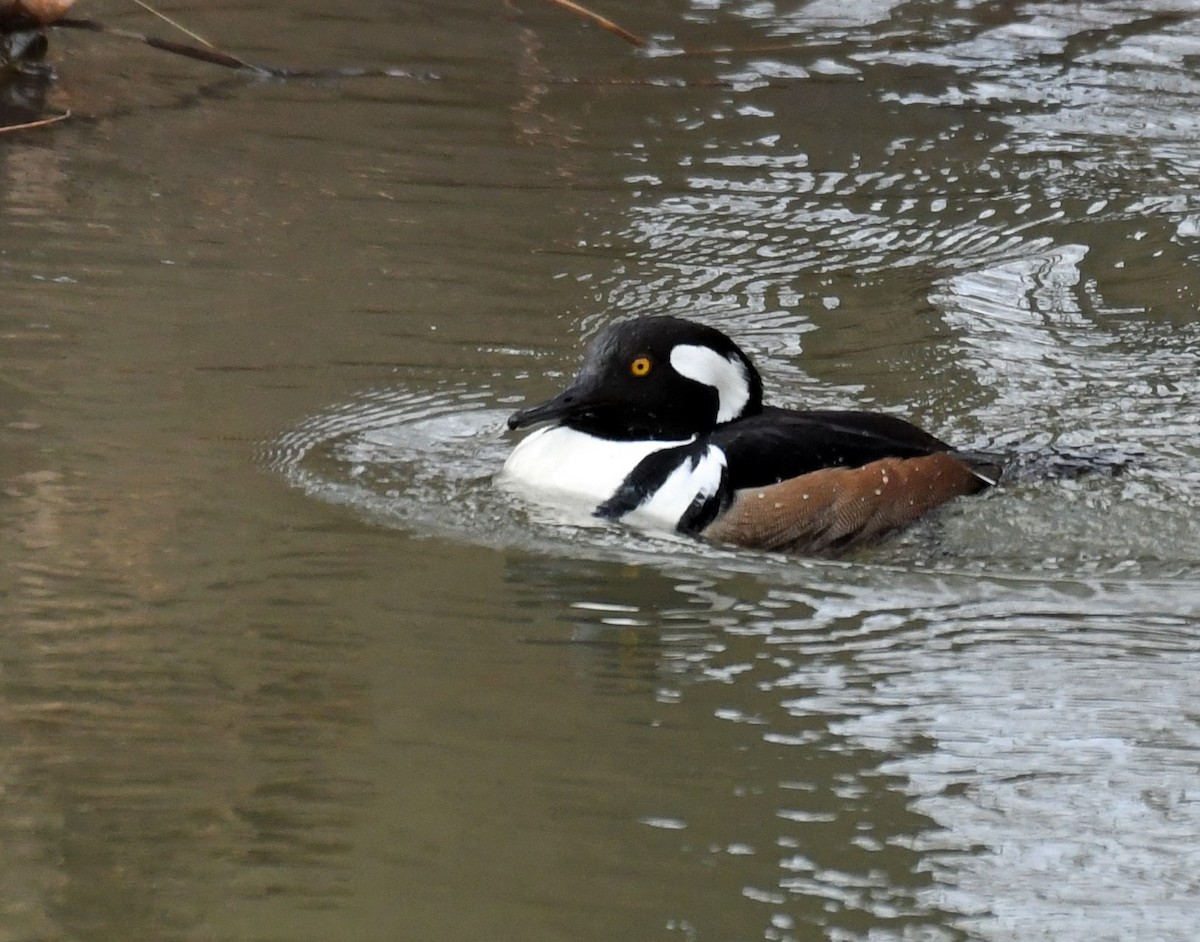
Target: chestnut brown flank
[[837, 508]]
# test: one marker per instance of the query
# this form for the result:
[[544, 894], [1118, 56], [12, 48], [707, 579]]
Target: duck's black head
[[654, 377]]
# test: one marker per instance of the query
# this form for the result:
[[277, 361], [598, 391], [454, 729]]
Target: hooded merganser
[[665, 425]]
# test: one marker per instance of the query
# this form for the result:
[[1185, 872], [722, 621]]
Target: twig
[[212, 56], [39, 123], [578, 10], [166, 19]]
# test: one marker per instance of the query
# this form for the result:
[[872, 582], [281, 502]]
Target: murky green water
[[279, 663]]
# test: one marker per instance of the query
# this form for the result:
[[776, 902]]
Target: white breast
[[562, 460]]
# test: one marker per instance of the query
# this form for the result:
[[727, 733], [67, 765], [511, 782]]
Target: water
[[280, 662]]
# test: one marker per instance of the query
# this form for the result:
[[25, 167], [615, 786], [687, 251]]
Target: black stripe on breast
[[650, 474], [705, 510]]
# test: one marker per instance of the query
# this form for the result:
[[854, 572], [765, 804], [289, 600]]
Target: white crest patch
[[727, 375]]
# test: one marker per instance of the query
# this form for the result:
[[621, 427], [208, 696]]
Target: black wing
[[781, 443]]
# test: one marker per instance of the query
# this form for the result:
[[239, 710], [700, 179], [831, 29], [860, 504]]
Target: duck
[[664, 427]]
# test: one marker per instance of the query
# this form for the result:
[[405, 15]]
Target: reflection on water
[[339, 685], [802, 802], [890, 757]]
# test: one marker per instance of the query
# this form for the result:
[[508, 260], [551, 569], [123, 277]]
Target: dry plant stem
[[40, 123], [179, 26], [601, 21], [212, 56]]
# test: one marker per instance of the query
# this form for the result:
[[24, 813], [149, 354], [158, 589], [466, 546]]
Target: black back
[[779, 444]]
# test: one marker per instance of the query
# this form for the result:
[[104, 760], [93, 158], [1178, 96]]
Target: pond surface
[[279, 662]]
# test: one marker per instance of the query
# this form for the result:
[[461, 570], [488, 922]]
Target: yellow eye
[[640, 366]]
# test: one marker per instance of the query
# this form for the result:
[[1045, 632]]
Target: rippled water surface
[[281, 662]]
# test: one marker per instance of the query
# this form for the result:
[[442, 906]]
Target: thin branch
[[40, 123], [179, 26], [212, 56], [604, 22]]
